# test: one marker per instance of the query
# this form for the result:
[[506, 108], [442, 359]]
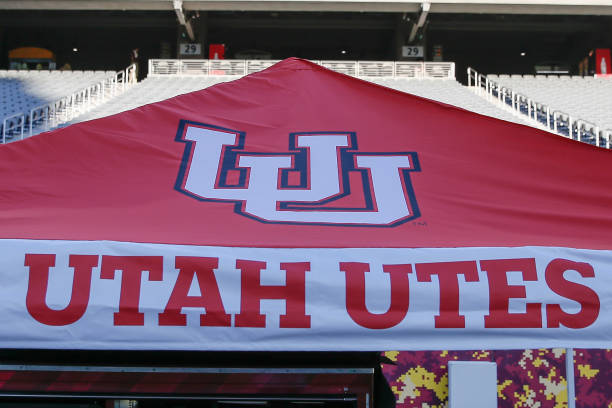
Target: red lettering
[[132, 268], [500, 292], [448, 282], [588, 299], [37, 288], [202, 269], [355, 295], [293, 292]]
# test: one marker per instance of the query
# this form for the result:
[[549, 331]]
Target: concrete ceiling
[[567, 7]]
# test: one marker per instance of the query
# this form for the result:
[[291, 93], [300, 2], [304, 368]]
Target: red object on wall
[[602, 61], [216, 51]]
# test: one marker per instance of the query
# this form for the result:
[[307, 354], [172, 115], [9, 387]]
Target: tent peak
[[294, 63]]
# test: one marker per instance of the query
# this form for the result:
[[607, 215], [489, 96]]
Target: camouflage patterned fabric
[[525, 378], [593, 378]]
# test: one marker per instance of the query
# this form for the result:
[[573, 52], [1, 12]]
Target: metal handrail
[[70, 106], [362, 69], [8, 120], [586, 125], [607, 135], [41, 108], [576, 127], [471, 73], [560, 115]]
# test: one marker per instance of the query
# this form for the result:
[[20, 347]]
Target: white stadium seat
[[586, 98], [154, 89], [21, 91]]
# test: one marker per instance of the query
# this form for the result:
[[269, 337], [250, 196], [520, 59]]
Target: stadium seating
[[575, 107], [21, 91], [154, 89], [24, 90], [581, 97], [35, 101], [450, 92]]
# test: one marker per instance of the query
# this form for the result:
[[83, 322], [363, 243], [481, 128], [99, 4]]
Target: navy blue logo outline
[[300, 164]]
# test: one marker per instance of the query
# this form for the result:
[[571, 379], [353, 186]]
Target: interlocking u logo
[[321, 179]]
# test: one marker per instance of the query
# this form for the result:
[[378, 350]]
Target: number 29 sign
[[190, 49], [412, 51]]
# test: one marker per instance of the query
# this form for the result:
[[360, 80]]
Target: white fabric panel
[[472, 384], [331, 325]]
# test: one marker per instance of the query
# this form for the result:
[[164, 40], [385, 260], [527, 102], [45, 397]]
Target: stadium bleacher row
[[154, 89], [583, 98], [450, 92], [150, 90], [21, 91], [572, 106], [35, 101]]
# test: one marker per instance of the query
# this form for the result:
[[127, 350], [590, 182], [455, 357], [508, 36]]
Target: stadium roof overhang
[[572, 7]]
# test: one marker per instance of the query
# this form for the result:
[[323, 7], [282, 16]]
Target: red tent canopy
[[302, 209]]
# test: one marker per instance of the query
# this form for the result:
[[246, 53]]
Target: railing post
[[47, 114], [31, 120], [70, 112], [529, 108], [56, 107], [569, 377], [22, 126]]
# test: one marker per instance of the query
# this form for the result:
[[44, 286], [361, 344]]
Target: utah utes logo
[[321, 179]]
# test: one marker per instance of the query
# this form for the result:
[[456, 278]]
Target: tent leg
[[569, 376]]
